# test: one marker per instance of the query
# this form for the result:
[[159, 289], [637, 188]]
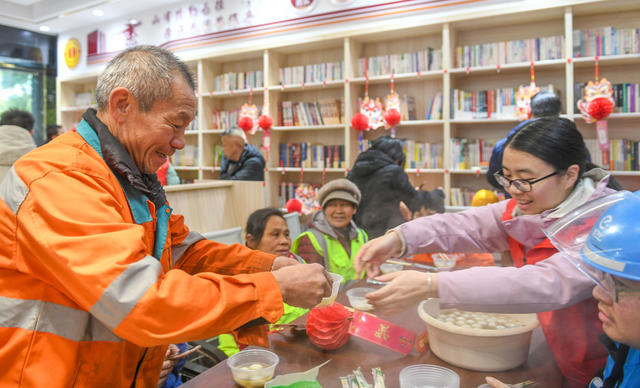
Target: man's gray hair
[[146, 71], [237, 133]]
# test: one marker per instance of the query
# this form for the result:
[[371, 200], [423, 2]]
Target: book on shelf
[[315, 73], [470, 153], [608, 40], [221, 119], [238, 81], [424, 60], [321, 112], [515, 51], [307, 155], [434, 108], [422, 155], [408, 107], [622, 154], [217, 155]]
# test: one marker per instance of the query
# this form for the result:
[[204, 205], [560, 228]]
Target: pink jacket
[[548, 285]]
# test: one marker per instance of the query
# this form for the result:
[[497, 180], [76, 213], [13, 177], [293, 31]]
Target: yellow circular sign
[[72, 52]]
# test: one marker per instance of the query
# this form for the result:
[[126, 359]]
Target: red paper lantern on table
[[246, 123], [328, 327], [265, 122], [392, 117]]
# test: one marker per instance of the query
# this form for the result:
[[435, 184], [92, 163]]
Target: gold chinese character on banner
[[381, 333]]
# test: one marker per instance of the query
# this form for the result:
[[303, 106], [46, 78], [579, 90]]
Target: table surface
[[298, 354]]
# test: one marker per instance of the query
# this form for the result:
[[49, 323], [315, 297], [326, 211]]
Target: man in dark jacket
[[379, 174], [241, 161]]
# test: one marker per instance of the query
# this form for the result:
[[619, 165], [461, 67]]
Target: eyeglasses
[[616, 288], [520, 184]]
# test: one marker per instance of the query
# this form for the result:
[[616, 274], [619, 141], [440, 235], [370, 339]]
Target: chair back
[[227, 236], [293, 222]]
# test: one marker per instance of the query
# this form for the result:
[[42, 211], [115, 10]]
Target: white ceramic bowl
[[251, 368], [357, 299], [478, 349], [337, 280]]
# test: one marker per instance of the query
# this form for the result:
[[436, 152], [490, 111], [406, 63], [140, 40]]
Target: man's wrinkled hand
[[303, 285]]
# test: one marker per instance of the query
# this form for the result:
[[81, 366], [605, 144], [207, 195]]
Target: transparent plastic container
[[390, 267], [337, 280], [445, 261], [428, 376], [252, 368], [357, 299]]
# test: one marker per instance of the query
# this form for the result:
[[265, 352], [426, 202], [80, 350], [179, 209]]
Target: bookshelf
[[260, 72]]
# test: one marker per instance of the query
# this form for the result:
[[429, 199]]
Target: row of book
[[606, 41], [321, 112], [186, 157], [307, 155], [422, 155], [626, 96], [462, 196], [238, 81], [515, 51], [622, 154], [470, 153], [424, 60], [224, 119], [486, 104], [319, 72]]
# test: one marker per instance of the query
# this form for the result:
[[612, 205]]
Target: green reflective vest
[[335, 256]]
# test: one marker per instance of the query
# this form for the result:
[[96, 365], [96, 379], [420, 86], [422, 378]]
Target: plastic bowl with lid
[[425, 375], [251, 368], [481, 349]]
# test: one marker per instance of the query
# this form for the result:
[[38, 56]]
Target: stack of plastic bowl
[[251, 368], [428, 376], [337, 280], [357, 298]]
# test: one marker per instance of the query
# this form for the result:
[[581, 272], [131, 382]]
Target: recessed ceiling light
[[45, 28], [133, 21], [97, 12]]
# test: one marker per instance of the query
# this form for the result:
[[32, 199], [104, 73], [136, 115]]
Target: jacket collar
[[120, 162]]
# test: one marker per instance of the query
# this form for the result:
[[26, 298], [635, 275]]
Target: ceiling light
[[45, 28], [133, 21], [97, 12]]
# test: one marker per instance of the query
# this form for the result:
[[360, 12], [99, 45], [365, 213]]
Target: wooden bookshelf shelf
[[307, 86], [309, 128], [305, 170]]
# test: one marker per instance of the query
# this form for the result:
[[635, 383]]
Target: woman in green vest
[[333, 239], [266, 231]]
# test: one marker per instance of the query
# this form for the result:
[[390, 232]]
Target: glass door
[[23, 88]]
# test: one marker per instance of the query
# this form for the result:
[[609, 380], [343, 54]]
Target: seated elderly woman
[[266, 231], [333, 239]]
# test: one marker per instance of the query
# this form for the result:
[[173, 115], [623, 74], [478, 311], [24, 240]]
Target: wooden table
[[297, 354]]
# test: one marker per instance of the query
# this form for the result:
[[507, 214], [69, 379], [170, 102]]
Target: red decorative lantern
[[392, 117], [246, 123], [294, 205], [328, 327], [265, 122], [360, 122], [600, 108]]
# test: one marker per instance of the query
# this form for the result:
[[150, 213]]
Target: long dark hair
[[556, 140], [257, 221]]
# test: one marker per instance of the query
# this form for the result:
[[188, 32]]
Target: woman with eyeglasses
[[543, 169]]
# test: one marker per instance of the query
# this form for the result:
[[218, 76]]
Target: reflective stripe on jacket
[[571, 332], [336, 259], [94, 282]]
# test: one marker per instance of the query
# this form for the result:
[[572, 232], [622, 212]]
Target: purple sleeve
[[478, 229], [548, 285]]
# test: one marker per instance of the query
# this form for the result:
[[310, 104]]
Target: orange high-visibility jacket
[[95, 282]]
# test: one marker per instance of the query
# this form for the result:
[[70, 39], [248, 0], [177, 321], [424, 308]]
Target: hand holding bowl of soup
[[252, 368]]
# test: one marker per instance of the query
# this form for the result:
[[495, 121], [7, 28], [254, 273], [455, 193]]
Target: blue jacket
[[630, 377], [250, 167]]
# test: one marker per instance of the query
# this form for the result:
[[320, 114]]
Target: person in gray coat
[[16, 130]]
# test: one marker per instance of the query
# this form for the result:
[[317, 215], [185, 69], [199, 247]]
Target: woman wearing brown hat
[[333, 239]]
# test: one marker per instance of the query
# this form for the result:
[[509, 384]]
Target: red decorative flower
[[360, 122]]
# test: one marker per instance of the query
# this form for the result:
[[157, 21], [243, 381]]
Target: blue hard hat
[[613, 245]]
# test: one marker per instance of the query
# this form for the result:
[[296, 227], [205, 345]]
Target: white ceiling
[[64, 15]]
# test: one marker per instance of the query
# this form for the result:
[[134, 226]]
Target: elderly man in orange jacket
[[97, 275]]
